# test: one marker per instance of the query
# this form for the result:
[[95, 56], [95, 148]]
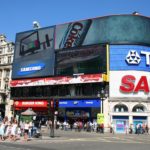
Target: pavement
[[73, 136]]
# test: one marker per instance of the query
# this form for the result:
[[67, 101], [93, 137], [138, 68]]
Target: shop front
[[38, 106], [78, 109], [139, 120], [121, 123]]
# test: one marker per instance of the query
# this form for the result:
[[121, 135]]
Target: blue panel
[[76, 103], [120, 117], [118, 57], [139, 118]]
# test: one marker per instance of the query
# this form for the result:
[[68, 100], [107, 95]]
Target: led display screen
[[86, 60], [34, 54]]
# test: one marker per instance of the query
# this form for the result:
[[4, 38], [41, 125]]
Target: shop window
[[138, 108], [120, 108]]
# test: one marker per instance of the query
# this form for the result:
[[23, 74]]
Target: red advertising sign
[[30, 103], [90, 78], [128, 84]]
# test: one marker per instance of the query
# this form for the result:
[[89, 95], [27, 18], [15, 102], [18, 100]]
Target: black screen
[[87, 60]]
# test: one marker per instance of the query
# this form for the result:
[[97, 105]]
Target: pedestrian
[[112, 128], [26, 130], [146, 129], [14, 130], [2, 129]]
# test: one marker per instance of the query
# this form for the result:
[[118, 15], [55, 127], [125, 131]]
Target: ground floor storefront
[[70, 110], [127, 115]]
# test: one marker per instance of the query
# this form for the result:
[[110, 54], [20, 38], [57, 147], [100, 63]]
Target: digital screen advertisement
[[109, 29], [34, 54], [86, 60]]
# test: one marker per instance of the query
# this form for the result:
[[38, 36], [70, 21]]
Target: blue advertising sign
[[79, 103], [129, 57], [34, 54]]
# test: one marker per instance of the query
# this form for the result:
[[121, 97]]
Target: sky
[[18, 15]]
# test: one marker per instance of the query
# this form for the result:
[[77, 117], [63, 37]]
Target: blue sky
[[18, 15]]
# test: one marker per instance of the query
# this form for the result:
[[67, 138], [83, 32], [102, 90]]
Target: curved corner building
[[98, 65]]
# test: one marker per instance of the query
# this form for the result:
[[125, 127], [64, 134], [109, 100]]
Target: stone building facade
[[6, 58]]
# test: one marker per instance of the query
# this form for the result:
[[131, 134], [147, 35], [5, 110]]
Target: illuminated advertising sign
[[86, 60], [30, 103], [129, 84], [34, 54], [67, 103], [129, 71], [129, 57], [113, 29], [90, 78]]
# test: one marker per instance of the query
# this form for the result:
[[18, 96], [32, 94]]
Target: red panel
[[30, 103], [89, 78]]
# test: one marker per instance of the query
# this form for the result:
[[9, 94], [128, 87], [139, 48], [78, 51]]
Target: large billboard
[[129, 57], [34, 54], [85, 60], [129, 84], [129, 71], [34, 50], [115, 29]]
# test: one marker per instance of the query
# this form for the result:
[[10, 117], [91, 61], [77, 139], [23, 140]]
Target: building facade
[[101, 61], [129, 86], [6, 59]]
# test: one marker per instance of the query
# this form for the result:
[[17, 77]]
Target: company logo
[[16, 103], [133, 57], [75, 102], [129, 85], [32, 68]]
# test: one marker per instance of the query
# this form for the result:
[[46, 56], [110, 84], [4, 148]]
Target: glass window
[[9, 59], [0, 73], [120, 108], [138, 108], [7, 73]]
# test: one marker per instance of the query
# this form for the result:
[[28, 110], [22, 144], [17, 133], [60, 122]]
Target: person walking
[[26, 130], [14, 130], [112, 128]]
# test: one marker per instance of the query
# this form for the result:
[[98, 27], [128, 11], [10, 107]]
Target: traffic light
[[52, 104], [56, 105]]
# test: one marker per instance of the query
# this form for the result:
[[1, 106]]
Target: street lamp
[[103, 94]]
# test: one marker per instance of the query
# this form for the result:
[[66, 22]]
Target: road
[[71, 140]]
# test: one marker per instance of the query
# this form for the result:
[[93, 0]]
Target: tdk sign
[[32, 68], [134, 58]]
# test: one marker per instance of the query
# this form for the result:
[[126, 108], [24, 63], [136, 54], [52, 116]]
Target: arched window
[[120, 108], [138, 108]]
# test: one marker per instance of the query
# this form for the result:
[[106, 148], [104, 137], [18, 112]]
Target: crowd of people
[[78, 125], [99, 128], [139, 129], [14, 130]]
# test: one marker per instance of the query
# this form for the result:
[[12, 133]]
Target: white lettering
[[30, 68], [147, 54], [62, 102], [89, 102], [27, 103]]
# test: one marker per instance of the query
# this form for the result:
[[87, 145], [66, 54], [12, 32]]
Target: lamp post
[[102, 95]]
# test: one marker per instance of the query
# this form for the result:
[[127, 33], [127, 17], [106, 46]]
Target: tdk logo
[[134, 58]]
